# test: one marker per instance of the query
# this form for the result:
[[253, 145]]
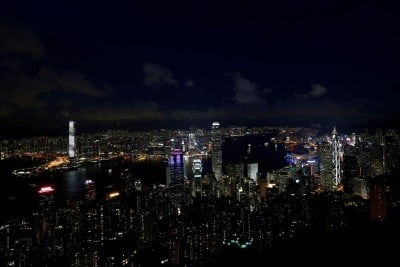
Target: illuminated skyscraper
[[216, 150], [90, 191], [391, 155], [71, 140], [252, 170], [336, 153], [197, 183], [330, 153]]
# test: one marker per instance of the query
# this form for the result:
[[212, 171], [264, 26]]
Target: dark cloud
[[68, 81], [11, 64], [49, 92], [246, 92], [350, 111], [18, 40], [137, 111], [189, 83], [295, 109], [299, 96], [317, 90], [28, 86], [156, 76], [20, 91], [85, 72], [266, 91], [206, 114]]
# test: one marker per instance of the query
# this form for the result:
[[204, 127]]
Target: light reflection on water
[[72, 183]]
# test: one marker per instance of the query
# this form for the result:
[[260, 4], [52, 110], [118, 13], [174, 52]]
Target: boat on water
[[23, 173]]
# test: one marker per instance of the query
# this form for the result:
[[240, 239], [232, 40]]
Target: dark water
[[15, 196], [261, 150], [106, 175], [18, 196]]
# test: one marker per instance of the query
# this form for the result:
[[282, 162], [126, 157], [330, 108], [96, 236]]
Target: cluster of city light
[[57, 162], [236, 242], [45, 189], [336, 158], [113, 195], [89, 181], [71, 140]]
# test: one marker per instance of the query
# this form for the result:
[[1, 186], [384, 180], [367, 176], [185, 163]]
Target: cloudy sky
[[183, 63]]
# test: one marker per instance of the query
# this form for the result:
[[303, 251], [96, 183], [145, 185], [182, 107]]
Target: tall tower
[[252, 170], [330, 153], [197, 183], [216, 159], [336, 171], [71, 140]]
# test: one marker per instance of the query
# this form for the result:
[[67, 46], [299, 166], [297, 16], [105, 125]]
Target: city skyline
[[181, 64], [155, 197]]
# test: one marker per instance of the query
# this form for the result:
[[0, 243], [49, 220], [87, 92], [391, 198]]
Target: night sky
[[188, 63]]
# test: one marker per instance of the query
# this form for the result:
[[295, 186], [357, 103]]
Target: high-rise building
[[359, 187], [391, 153], [235, 175], [252, 170], [216, 159], [90, 191], [330, 153], [46, 199], [71, 140], [235, 169], [371, 159], [378, 199], [197, 183], [336, 158], [325, 152], [96, 148], [351, 170]]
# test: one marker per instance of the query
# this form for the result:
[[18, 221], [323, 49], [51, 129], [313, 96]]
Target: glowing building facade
[[252, 170], [330, 153], [71, 140], [197, 183], [336, 155], [216, 159]]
